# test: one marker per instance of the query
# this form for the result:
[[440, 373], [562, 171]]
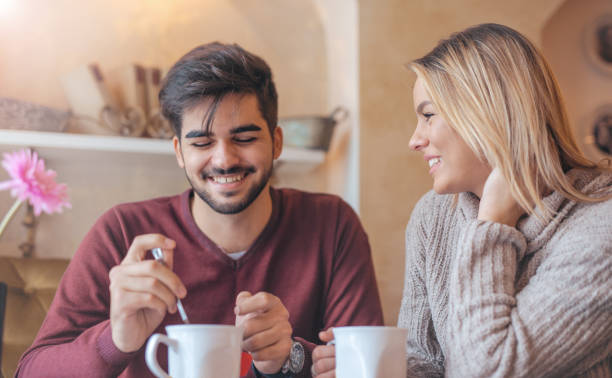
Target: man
[[284, 263]]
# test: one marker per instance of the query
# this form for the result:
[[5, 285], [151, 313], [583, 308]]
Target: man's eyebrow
[[245, 128], [198, 134], [235, 130], [422, 105]]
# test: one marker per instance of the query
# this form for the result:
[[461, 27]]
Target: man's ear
[[277, 139], [178, 152]]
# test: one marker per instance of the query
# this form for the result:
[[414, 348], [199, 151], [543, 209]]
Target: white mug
[[197, 351], [370, 352]]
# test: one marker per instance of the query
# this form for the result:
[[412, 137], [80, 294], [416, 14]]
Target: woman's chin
[[443, 188], [439, 188]]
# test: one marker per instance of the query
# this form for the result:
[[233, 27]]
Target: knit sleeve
[[424, 355], [557, 325]]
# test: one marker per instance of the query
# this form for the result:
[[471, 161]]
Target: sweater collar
[[209, 245]]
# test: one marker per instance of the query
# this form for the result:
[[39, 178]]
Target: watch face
[[295, 363]]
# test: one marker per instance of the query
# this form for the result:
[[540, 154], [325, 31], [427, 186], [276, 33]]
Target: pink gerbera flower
[[30, 181]]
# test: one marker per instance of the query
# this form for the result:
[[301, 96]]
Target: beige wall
[[392, 32], [41, 40]]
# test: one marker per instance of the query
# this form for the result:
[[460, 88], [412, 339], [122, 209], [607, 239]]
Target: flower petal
[[30, 180]]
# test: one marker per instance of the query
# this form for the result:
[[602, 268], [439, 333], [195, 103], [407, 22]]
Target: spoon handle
[[158, 254]]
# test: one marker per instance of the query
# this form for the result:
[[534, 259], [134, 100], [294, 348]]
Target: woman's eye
[[428, 115]]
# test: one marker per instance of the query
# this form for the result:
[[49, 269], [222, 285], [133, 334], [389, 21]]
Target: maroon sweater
[[313, 254]]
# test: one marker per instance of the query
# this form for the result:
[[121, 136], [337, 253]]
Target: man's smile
[[228, 179]]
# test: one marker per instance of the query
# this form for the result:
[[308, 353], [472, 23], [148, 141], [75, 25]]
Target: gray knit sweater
[[482, 299]]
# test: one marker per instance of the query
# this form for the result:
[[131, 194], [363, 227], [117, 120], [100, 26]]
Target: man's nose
[[419, 140], [225, 155]]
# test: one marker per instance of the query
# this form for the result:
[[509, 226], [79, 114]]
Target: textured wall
[[41, 40], [393, 32], [586, 85]]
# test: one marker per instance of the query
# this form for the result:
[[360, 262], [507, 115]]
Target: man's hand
[[324, 357], [267, 331], [142, 291], [497, 203]]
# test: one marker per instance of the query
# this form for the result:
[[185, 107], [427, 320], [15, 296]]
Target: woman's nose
[[418, 140]]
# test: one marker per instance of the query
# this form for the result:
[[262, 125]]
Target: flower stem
[[9, 215]]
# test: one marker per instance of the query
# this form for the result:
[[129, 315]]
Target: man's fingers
[[326, 336], [125, 276], [329, 374], [146, 285], [142, 243], [323, 351], [324, 356], [131, 301], [276, 351], [240, 298], [267, 337], [255, 323], [260, 302], [325, 367]]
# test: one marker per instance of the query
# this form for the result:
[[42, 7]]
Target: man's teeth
[[434, 161], [227, 179]]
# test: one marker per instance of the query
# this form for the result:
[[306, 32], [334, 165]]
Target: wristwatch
[[295, 361]]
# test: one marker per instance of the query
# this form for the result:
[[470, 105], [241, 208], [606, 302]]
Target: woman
[[509, 258]]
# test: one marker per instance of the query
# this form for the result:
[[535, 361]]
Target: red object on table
[[245, 363]]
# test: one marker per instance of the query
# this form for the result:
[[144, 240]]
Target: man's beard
[[232, 208]]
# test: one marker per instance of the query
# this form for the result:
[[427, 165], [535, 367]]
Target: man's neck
[[233, 232]]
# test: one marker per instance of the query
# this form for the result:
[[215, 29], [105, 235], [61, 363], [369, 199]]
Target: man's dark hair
[[212, 71]]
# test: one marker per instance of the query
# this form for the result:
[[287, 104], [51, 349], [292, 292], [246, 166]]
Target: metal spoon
[[158, 254]]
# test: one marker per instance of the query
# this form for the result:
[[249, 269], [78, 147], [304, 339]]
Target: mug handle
[[151, 353]]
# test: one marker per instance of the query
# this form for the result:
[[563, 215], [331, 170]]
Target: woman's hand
[[497, 203]]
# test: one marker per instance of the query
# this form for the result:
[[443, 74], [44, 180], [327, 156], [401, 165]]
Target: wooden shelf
[[125, 144], [84, 142]]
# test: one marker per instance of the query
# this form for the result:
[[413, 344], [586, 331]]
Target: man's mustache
[[229, 171]]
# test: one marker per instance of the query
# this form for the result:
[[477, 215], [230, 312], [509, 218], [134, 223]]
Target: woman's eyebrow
[[422, 105]]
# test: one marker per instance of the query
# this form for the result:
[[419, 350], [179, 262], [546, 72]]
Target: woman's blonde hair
[[497, 91]]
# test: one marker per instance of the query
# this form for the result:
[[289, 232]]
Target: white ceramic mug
[[370, 352], [197, 351]]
